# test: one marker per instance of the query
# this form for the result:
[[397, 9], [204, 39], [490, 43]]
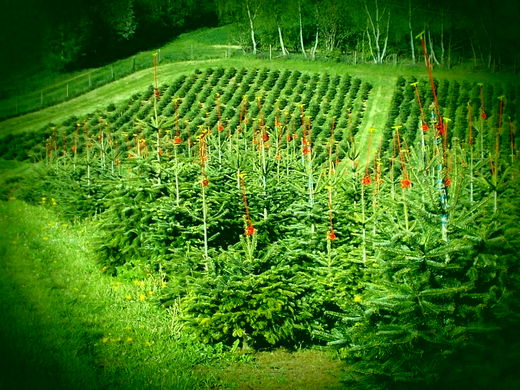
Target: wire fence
[[19, 104]]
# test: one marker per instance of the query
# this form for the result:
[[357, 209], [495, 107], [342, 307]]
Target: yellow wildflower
[[357, 298], [105, 340]]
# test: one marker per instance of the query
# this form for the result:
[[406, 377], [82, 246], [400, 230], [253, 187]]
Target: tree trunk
[[432, 52], [412, 47], [383, 54], [370, 47], [301, 29], [282, 46], [379, 53], [442, 39], [449, 52], [474, 52], [251, 27], [315, 47]]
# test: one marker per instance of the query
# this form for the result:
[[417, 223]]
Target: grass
[[41, 88], [280, 370], [65, 324]]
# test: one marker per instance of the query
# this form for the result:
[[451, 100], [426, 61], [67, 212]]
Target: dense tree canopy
[[455, 31], [68, 34], [78, 33]]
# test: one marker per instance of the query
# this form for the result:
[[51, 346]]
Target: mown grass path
[[375, 116], [66, 325]]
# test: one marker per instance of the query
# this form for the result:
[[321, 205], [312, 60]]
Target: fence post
[[67, 95]]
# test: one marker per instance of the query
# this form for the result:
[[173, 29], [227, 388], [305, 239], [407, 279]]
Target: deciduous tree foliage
[[77, 33], [455, 31]]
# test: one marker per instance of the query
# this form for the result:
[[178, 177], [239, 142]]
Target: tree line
[[376, 29], [72, 34]]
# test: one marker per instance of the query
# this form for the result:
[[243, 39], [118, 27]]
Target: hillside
[[240, 205]]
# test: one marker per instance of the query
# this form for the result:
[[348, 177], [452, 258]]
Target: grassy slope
[[27, 85], [67, 325], [382, 76], [65, 322]]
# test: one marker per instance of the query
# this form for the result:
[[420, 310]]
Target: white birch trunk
[[282, 46], [251, 27], [412, 47], [378, 53], [442, 39], [315, 47], [432, 52], [301, 29]]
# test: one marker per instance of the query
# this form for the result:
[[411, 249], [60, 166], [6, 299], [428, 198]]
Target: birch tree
[[244, 14], [377, 37], [412, 43], [300, 20], [252, 8]]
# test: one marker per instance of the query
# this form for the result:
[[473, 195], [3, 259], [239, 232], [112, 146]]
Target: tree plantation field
[[205, 222]]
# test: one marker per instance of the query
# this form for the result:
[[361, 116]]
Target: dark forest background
[[73, 34]]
